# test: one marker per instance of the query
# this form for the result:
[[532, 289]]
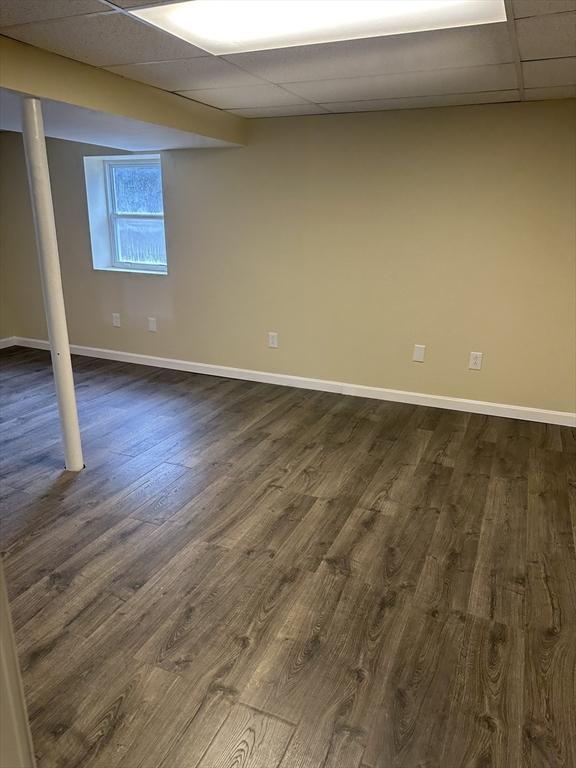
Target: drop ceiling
[[531, 57]]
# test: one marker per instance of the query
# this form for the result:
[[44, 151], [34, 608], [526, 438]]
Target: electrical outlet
[[116, 319], [152, 326], [273, 339], [419, 352], [475, 361]]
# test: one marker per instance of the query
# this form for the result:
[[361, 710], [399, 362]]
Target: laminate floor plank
[[120, 635], [277, 460], [312, 537], [353, 652], [486, 718], [107, 723], [512, 449], [248, 739], [179, 729], [98, 564], [550, 525], [498, 585], [415, 705], [39, 555], [270, 524], [571, 478], [256, 576], [224, 625], [446, 442], [284, 682], [394, 476], [336, 471], [446, 577], [568, 436], [550, 697], [551, 592]]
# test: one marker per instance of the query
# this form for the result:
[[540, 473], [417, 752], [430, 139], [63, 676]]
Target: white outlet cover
[[116, 319], [273, 339], [152, 326], [475, 361], [419, 352]]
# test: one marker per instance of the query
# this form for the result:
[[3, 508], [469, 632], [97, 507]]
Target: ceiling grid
[[531, 56]]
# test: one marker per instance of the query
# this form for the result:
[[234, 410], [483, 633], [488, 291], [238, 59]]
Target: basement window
[[126, 213]]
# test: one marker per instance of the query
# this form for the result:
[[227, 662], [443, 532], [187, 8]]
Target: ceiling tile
[[466, 46], [188, 74], [547, 37], [25, 11], [465, 80], [104, 39], [550, 72], [558, 92], [248, 96], [524, 8], [287, 111], [487, 97]]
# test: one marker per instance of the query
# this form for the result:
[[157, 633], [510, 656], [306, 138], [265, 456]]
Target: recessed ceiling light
[[236, 26]]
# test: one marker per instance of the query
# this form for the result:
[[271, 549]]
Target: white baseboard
[[8, 341], [563, 418]]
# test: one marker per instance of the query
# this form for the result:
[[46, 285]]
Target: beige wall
[[354, 237], [6, 313]]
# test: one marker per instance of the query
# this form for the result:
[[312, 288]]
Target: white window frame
[[103, 215], [114, 216]]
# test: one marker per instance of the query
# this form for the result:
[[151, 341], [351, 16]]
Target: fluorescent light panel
[[236, 26]]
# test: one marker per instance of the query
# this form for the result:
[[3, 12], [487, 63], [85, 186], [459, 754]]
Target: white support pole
[[47, 247]]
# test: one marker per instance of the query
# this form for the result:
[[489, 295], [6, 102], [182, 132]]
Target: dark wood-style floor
[[251, 576]]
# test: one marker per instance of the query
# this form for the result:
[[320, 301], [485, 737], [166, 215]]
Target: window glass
[[137, 188], [140, 241]]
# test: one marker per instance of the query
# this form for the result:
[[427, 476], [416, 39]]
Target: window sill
[[155, 272]]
